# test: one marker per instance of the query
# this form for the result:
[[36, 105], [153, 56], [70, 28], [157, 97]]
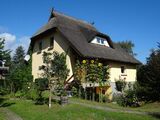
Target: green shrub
[[19, 94], [4, 91], [32, 94], [41, 83], [45, 94], [74, 91], [120, 85], [105, 98], [131, 98], [128, 98]]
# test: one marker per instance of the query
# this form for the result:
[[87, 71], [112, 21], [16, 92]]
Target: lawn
[[29, 111], [2, 116]]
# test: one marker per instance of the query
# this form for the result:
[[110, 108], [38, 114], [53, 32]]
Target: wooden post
[[93, 94], [85, 94], [79, 92]]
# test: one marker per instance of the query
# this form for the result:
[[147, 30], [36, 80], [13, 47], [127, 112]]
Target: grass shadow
[[155, 115], [7, 104], [3, 102], [42, 101]]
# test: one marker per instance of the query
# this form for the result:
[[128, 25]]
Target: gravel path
[[9, 115], [107, 108]]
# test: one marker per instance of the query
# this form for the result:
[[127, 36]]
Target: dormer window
[[100, 41]]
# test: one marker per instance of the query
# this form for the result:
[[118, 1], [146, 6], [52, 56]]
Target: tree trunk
[[100, 95], [50, 98]]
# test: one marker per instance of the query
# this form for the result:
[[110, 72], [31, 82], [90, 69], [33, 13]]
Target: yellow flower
[[84, 61], [92, 61], [99, 64]]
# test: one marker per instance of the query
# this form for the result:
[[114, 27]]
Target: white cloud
[[23, 41], [12, 42], [8, 37]]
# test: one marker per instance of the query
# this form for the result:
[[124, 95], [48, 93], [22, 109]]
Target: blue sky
[[135, 20]]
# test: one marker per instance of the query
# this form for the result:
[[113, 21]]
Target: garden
[[47, 97]]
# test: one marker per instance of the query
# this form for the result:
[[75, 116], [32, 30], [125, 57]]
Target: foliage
[[80, 71], [55, 71], [127, 46], [105, 98], [60, 71], [32, 94], [120, 85], [128, 98], [4, 54], [74, 91], [91, 71], [41, 83], [19, 94], [56, 67], [148, 78], [3, 91], [20, 73]]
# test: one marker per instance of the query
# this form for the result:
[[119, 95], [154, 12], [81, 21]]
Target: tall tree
[[20, 73], [4, 54], [127, 46], [148, 77]]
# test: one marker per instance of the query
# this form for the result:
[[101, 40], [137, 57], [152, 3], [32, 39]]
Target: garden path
[[9, 115]]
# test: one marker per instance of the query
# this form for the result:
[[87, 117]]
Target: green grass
[[29, 111], [151, 107], [2, 116]]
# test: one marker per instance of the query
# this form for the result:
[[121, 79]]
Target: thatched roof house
[[80, 39]]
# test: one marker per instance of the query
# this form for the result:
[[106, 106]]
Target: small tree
[[55, 70], [91, 71], [60, 71], [94, 74]]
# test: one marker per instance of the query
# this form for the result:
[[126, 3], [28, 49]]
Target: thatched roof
[[79, 34]]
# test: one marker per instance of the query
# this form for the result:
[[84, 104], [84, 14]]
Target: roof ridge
[[73, 18]]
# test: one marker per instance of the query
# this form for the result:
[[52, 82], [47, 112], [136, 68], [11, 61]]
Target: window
[[51, 42], [122, 69], [100, 40], [40, 46]]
